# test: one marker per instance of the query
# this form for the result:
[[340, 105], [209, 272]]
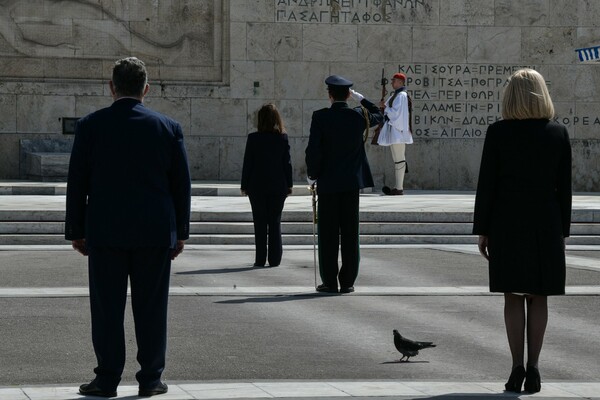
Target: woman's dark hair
[[269, 119]]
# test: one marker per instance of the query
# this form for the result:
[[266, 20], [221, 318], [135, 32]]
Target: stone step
[[292, 239], [577, 216], [288, 228], [293, 228], [53, 188], [372, 228], [366, 228], [246, 216], [421, 217]]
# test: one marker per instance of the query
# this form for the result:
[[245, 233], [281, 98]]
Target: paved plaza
[[239, 332], [242, 332]]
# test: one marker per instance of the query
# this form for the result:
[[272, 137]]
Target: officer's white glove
[[310, 181], [356, 96]]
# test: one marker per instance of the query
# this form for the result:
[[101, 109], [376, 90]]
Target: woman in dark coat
[[523, 215], [267, 181]]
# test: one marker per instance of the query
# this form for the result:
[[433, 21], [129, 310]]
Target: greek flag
[[589, 54]]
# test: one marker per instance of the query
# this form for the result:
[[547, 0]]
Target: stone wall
[[213, 63]]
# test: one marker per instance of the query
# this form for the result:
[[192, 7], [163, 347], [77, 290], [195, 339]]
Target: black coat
[[335, 154], [267, 165], [523, 205], [129, 182]]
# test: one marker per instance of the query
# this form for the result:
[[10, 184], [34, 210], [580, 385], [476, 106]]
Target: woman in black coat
[[523, 215], [267, 181]]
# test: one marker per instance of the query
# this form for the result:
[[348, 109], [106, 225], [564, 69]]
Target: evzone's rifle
[[383, 84]]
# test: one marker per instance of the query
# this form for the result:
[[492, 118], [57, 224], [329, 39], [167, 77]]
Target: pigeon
[[409, 348]]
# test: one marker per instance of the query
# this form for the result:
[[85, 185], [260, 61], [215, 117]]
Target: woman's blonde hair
[[526, 96], [269, 119]]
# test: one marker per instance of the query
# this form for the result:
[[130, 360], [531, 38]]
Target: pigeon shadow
[[217, 271], [278, 298], [404, 362]]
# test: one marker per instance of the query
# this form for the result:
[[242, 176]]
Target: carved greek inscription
[[344, 11], [462, 100], [455, 100]]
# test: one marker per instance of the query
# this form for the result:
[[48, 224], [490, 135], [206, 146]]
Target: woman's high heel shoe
[[533, 381], [515, 380]]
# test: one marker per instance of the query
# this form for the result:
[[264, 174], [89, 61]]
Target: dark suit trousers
[[148, 269], [266, 213], [338, 217]]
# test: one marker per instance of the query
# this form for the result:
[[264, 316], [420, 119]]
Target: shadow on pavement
[[473, 396], [404, 362], [216, 271], [274, 299]]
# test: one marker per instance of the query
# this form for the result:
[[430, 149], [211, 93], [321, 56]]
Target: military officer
[[336, 160]]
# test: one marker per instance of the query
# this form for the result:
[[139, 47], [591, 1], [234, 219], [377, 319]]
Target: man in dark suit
[[128, 209], [336, 159]]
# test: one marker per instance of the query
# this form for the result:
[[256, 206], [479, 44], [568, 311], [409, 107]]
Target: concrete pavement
[[371, 390], [217, 293]]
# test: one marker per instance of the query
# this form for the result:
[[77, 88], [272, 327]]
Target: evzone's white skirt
[[390, 135]]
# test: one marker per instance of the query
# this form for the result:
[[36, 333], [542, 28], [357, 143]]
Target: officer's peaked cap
[[336, 80]]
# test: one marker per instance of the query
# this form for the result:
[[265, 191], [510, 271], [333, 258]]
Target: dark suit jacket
[[528, 161], [129, 182], [267, 166], [335, 154]]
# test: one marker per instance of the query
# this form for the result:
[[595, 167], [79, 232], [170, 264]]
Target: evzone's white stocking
[[399, 157]]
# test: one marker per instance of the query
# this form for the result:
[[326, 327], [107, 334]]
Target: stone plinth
[[47, 167]]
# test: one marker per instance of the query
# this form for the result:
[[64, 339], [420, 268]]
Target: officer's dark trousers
[[148, 269], [338, 217], [266, 213]]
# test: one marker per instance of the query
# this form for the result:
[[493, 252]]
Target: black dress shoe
[[515, 381], [533, 380], [326, 289], [161, 388], [92, 389], [386, 190], [348, 289]]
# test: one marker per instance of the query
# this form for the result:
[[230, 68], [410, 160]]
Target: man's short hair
[[338, 93], [129, 77]]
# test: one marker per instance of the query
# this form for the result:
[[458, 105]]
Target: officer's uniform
[[336, 158]]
